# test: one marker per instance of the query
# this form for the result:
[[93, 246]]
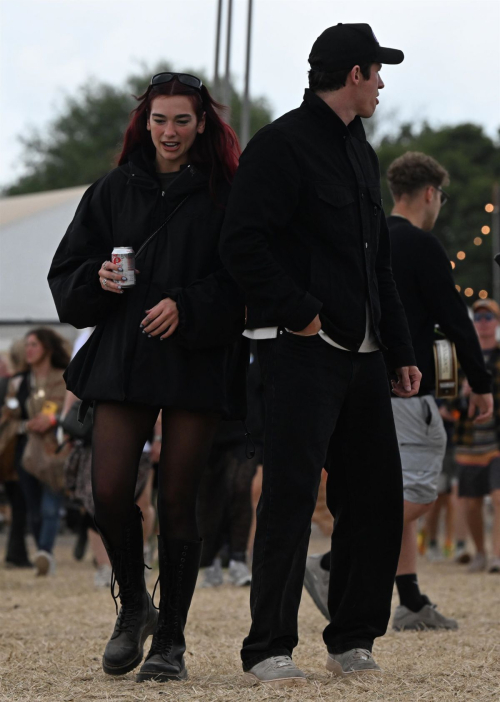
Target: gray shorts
[[422, 445]]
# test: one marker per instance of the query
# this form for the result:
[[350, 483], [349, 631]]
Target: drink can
[[124, 256]]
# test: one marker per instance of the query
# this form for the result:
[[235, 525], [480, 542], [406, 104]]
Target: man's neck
[[488, 343], [414, 215], [337, 103]]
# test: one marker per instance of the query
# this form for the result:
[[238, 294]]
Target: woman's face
[[174, 126], [35, 351]]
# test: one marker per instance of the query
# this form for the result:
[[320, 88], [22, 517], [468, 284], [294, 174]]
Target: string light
[[483, 294], [468, 292], [461, 255], [458, 287], [453, 264], [489, 207], [478, 241], [485, 230]]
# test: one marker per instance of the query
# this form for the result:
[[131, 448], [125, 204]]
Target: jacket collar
[[141, 171], [323, 112]]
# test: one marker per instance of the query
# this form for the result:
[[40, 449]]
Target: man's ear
[[355, 74], [429, 193]]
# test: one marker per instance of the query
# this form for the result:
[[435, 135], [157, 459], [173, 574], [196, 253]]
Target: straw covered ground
[[53, 631]]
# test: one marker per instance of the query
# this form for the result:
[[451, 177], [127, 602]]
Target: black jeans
[[331, 408]]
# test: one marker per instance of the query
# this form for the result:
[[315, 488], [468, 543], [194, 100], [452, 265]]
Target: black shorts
[[477, 481]]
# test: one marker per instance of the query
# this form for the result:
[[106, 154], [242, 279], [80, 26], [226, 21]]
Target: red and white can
[[124, 256]]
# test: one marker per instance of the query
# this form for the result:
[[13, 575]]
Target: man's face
[[368, 91], [486, 322]]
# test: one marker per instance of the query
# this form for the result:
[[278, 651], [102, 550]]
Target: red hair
[[215, 152]]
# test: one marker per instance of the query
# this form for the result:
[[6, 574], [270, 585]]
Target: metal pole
[[227, 86], [217, 49], [495, 240], [245, 107]]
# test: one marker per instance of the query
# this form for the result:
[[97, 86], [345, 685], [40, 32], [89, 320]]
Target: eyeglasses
[[185, 78], [444, 196], [488, 316]]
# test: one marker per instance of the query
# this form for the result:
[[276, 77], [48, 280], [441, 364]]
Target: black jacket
[[305, 231], [425, 283], [202, 366]]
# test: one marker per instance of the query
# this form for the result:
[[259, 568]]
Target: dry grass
[[53, 631]]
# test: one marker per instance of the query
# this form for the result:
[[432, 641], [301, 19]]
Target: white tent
[[31, 227]]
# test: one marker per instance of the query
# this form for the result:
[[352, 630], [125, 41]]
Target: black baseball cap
[[346, 45]]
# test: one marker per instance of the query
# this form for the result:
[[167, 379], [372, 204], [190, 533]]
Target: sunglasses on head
[[488, 316], [184, 78]]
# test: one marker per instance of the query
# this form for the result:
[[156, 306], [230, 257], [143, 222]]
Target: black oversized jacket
[[202, 366], [305, 233], [425, 283]]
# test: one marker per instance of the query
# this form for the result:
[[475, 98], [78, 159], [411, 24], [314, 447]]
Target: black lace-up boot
[[137, 616], [179, 564]]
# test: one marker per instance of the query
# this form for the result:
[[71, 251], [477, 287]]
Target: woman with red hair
[[172, 343]]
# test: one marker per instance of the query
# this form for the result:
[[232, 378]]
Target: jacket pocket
[[335, 195]]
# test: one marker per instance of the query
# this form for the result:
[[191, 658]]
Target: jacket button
[[366, 245]]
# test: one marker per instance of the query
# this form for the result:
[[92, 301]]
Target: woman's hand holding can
[[111, 276]]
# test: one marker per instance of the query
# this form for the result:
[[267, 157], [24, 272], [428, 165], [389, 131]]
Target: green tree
[[81, 143], [472, 159]]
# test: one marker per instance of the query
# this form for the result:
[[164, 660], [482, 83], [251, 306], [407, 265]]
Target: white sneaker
[[102, 577], [213, 574], [239, 573], [434, 554], [44, 563], [478, 563]]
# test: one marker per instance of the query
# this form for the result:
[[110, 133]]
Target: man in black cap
[[306, 238]]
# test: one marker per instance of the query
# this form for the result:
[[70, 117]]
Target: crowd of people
[[270, 339]]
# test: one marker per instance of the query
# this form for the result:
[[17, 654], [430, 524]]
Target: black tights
[[120, 431]]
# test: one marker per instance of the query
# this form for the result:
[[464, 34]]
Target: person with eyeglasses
[[171, 343], [477, 447], [422, 271]]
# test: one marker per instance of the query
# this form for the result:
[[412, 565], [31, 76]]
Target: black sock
[[325, 562], [433, 543], [409, 592]]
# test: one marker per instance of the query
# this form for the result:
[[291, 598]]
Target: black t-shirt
[[422, 271]]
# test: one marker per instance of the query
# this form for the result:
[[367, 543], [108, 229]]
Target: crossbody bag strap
[[152, 236]]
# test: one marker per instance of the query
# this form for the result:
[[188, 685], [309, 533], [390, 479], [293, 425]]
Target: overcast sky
[[50, 47]]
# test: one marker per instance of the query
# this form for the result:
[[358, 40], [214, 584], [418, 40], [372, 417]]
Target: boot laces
[[166, 629], [128, 592]]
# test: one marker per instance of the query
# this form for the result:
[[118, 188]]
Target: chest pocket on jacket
[[335, 209]]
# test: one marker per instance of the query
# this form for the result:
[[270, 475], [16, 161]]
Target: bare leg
[[145, 502], [461, 531], [432, 518], [474, 507], [97, 548], [495, 498], [408, 557]]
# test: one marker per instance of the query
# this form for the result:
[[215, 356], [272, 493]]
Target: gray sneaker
[[239, 574], [277, 671], [213, 574], [426, 618], [478, 563], [357, 660], [316, 581]]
